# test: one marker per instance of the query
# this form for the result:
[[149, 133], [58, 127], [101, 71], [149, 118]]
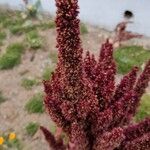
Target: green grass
[[34, 40], [127, 57], [35, 104], [53, 128], [28, 26], [3, 17], [83, 29], [47, 25], [2, 37], [144, 109], [2, 98], [47, 73], [14, 24], [15, 144], [53, 56], [32, 128], [16, 29], [28, 83], [17, 25], [12, 56]]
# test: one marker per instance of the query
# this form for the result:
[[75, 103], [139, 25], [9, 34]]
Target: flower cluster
[[82, 98], [11, 137]]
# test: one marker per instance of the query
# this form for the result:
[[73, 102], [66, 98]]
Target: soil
[[13, 116]]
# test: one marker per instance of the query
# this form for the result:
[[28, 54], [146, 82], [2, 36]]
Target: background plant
[[2, 37], [32, 10], [12, 56], [35, 104], [28, 83], [128, 57], [32, 128], [34, 40], [144, 108]]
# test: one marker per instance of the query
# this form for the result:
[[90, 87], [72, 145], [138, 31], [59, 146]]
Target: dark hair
[[128, 14]]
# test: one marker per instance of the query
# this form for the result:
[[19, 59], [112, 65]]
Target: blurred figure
[[26, 2], [121, 34]]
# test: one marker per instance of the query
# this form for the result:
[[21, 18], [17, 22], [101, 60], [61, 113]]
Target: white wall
[[106, 13]]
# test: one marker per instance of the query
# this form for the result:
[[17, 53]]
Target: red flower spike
[[78, 137], [126, 84], [54, 111], [81, 98], [133, 131], [140, 87], [102, 122], [135, 135], [109, 140], [68, 112], [106, 51], [143, 80], [104, 84], [53, 143], [121, 109], [89, 65], [142, 143]]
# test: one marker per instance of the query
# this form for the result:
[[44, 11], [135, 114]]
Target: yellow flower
[[12, 136], [1, 140]]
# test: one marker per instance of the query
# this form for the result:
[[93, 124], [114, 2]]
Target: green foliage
[[14, 24], [14, 144], [53, 56], [2, 37], [34, 40], [17, 24], [2, 16], [16, 29], [47, 73], [144, 109], [32, 128], [127, 57], [53, 128], [12, 56], [83, 29], [28, 26], [32, 10], [47, 25], [35, 104], [2, 98], [28, 83]]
